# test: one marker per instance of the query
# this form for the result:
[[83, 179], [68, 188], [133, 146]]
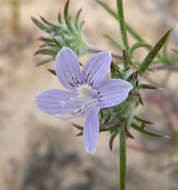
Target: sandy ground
[[39, 152]]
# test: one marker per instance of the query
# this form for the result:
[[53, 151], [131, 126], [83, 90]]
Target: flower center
[[86, 91], [86, 97]]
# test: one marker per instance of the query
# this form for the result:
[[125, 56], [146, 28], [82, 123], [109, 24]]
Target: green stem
[[125, 59], [122, 25], [122, 159]]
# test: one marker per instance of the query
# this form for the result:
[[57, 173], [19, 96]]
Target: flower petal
[[96, 68], [91, 131], [113, 92], [68, 69], [55, 102]]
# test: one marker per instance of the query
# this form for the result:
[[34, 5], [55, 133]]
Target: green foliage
[[144, 131], [142, 120], [153, 53], [146, 86], [135, 35], [60, 35]]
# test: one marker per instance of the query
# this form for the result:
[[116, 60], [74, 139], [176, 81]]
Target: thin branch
[[96, 50], [165, 67]]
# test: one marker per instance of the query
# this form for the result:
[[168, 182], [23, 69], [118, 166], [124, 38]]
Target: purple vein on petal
[[96, 68], [91, 131], [113, 92], [55, 101], [68, 69]]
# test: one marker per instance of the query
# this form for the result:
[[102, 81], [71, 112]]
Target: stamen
[[62, 103]]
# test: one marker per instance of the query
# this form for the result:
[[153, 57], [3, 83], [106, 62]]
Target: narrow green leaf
[[122, 159], [59, 18], [114, 41], [142, 120], [108, 9], [153, 53], [66, 16], [139, 45], [128, 133], [81, 25], [52, 71], [39, 24], [46, 52], [144, 131], [111, 140], [122, 25], [57, 42], [77, 19], [79, 134], [146, 86], [43, 45], [44, 61], [45, 39], [165, 47], [77, 126], [134, 33], [102, 129], [48, 23], [53, 45]]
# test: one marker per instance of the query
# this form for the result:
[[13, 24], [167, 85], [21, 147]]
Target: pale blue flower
[[87, 92]]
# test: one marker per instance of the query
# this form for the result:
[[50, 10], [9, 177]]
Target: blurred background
[[40, 152]]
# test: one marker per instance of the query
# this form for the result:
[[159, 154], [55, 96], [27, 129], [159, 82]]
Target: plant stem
[[122, 25], [122, 159]]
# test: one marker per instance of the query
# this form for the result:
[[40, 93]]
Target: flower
[[87, 92]]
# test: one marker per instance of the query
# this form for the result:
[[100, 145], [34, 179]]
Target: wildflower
[[87, 92]]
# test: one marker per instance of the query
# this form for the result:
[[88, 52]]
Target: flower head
[[87, 92]]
